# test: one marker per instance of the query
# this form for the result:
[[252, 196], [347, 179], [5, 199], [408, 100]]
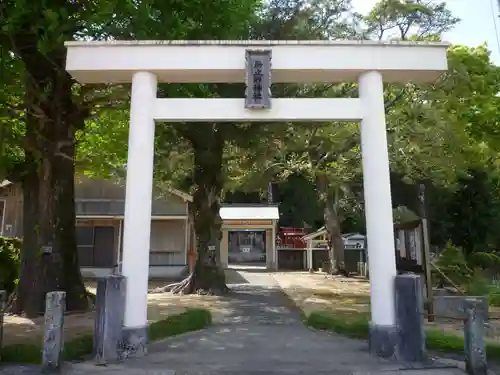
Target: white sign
[[354, 244], [245, 249]]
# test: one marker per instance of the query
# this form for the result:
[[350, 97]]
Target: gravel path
[[262, 336]]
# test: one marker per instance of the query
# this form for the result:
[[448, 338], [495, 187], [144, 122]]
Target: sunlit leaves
[[409, 19]]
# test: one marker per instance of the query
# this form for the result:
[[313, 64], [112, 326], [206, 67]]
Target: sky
[[477, 25]]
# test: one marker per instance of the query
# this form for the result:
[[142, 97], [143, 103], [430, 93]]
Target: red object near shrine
[[291, 238]]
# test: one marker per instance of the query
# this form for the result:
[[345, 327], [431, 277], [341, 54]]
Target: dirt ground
[[315, 292], [22, 330], [310, 292]]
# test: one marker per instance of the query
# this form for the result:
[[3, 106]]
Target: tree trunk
[[332, 225], [208, 148], [27, 297], [49, 258]]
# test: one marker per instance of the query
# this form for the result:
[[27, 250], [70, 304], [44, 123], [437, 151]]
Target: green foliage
[[81, 347], [356, 325], [10, 249], [468, 273], [484, 260], [478, 285], [494, 296], [453, 264], [352, 325], [191, 320], [299, 206], [396, 19], [402, 214], [473, 208]]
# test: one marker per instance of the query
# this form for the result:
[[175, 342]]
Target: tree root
[[192, 286], [180, 287]]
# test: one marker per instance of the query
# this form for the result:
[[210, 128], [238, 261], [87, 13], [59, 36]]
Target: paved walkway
[[263, 336]]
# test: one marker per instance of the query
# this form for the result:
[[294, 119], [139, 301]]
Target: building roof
[[249, 212], [313, 235], [353, 236], [184, 196], [345, 236]]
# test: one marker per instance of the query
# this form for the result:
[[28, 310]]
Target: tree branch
[[395, 100]]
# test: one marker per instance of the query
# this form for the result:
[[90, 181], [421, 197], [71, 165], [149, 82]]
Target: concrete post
[[224, 248], [138, 201], [275, 254], [410, 318], [53, 338], [110, 303], [310, 256], [475, 350], [3, 299], [378, 211]]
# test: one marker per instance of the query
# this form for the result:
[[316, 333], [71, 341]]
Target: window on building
[[85, 243], [96, 246]]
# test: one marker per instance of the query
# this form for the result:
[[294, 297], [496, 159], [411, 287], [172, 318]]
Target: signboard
[[258, 79], [354, 243], [245, 249], [247, 222], [47, 249]]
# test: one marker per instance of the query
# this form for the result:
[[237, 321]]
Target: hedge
[[80, 348], [10, 249]]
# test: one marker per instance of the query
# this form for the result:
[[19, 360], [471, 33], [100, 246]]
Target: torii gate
[[370, 64]]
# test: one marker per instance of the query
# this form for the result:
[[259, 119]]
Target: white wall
[[168, 272]]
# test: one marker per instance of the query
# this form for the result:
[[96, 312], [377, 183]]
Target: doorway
[[247, 247]]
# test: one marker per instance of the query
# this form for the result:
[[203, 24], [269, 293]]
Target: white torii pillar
[[138, 202], [378, 212]]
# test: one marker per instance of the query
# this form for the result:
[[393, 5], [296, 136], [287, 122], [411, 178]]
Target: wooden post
[[426, 253]]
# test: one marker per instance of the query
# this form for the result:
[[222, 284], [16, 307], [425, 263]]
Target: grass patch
[[355, 325], [81, 347], [191, 320]]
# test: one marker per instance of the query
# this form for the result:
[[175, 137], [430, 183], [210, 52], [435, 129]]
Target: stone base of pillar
[[110, 304], [384, 341], [410, 318], [134, 342]]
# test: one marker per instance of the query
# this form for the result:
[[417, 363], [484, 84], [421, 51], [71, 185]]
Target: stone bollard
[[110, 305], [3, 299], [410, 318], [475, 350], [53, 339]]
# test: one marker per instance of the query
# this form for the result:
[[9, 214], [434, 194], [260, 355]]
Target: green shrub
[[81, 347], [453, 263], [10, 249], [190, 320], [350, 325], [494, 295], [356, 325], [478, 284]]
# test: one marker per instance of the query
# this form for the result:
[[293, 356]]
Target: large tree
[[53, 109]]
